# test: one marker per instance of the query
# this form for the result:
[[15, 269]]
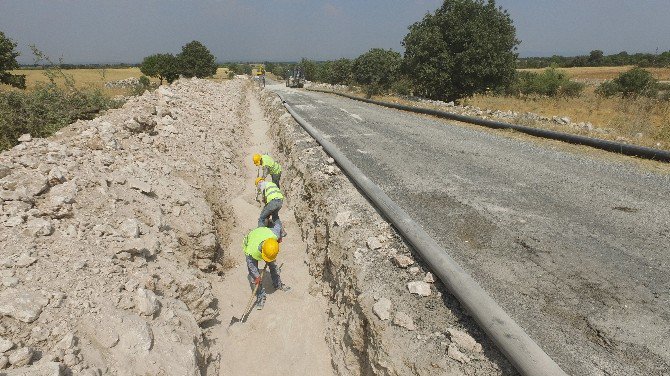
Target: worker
[[273, 200], [261, 244], [270, 167]]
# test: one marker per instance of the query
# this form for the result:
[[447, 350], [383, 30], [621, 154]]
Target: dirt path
[[287, 337]]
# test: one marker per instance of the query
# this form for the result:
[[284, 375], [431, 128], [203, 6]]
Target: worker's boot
[[283, 287]]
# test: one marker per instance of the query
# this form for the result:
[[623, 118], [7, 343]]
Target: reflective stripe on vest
[[272, 192], [252, 242], [274, 167]]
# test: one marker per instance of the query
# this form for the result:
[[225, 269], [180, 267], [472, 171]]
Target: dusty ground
[[288, 336], [120, 253]]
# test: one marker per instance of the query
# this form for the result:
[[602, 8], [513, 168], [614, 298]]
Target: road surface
[[573, 244]]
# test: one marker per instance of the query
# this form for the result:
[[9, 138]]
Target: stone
[[464, 340], [10, 281], [5, 345], [130, 228], [132, 125], [139, 185], [382, 308], [21, 357], [414, 270], [40, 227], [146, 122], [374, 243], [63, 194], [419, 288], [137, 336], [3, 361], [56, 176], [25, 260], [25, 138], [146, 302], [70, 360], [454, 353], [15, 221], [402, 261], [148, 246], [4, 171], [404, 320], [429, 278], [23, 305], [68, 342], [39, 369], [342, 218]]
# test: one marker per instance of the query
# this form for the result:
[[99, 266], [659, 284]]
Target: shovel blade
[[234, 321]]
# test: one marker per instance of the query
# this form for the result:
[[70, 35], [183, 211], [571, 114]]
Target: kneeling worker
[[273, 200], [261, 244], [270, 167]]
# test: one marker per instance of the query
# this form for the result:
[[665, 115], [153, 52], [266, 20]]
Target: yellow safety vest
[[254, 239], [274, 167], [272, 192]]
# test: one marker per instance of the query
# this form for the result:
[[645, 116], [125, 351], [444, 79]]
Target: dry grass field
[[95, 78], [641, 121], [605, 73]]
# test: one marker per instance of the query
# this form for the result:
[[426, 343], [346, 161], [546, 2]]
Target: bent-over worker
[[273, 200], [261, 244], [270, 167]]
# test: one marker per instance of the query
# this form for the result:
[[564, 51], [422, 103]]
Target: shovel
[[235, 320]]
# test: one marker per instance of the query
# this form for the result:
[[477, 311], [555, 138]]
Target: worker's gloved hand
[[257, 280]]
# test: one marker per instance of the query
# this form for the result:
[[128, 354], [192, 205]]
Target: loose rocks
[[419, 288], [382, 309]]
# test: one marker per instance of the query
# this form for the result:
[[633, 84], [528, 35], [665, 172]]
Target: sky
[[116, 31]]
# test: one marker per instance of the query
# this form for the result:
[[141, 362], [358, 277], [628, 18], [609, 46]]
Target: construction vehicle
[[295, 77]]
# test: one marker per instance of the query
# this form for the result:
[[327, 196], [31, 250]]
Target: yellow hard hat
[[257, 159], [258, 180], [269, 249]]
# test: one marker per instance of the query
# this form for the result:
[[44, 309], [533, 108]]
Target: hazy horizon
[[108, 32]]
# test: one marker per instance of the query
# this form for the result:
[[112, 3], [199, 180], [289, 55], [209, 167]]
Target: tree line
[[597, 58]]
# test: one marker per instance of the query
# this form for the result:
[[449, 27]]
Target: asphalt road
[[574, 245]]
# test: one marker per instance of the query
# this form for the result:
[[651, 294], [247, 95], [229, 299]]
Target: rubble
[[98, 274], [420, 288]]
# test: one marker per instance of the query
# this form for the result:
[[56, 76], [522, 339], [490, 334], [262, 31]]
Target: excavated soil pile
[[106, 229], [387, 314]]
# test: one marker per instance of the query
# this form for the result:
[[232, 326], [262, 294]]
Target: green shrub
[[402, 86], [45, 110], [633, 83], [551, 83], [571, 89], [608, 88]]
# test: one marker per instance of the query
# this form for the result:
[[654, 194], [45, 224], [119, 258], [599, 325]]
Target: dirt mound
[[105, 230]]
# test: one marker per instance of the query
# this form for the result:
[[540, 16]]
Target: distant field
[[641, 121], [94, 78], [606, 73]]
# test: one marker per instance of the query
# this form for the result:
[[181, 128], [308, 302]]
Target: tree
[[596, 57], [340, 71], [195, 60], [161, 66], [376, 70], [8, 62], [309, 69], [465, 47]]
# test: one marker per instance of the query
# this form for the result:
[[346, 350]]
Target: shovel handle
[[253, 294]]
